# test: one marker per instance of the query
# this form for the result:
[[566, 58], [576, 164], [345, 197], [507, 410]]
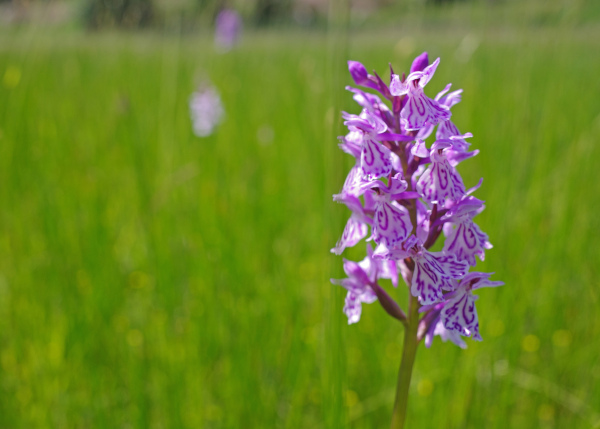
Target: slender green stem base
[[406, 366]]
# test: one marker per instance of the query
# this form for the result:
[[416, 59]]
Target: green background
[[150, 278]]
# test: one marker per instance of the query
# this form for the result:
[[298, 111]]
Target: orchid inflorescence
[[408, 195], [206, 109]]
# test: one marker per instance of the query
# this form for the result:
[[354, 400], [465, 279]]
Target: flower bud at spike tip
[[358, 72], [420, 63]]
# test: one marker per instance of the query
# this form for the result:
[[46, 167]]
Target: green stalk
[[411, 326], [406, 366]]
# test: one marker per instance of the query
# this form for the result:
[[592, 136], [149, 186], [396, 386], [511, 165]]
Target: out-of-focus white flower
[[206, 110]]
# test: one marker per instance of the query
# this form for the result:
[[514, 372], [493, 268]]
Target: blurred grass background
[[150, 278]]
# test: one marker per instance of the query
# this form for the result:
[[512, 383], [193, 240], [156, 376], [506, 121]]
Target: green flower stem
[[406, 366]]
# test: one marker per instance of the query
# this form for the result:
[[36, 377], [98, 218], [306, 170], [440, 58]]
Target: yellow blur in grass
[[530, 343], [425, 387], [12, 77]]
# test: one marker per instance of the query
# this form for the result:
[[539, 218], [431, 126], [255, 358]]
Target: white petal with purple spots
[[421, 110], [354, 231], [375, 159], [391, 224]]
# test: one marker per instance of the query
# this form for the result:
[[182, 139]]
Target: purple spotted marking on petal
[[352, 308], [450, 266], [459, 313], [446, 335], [425, 284], [421, 110], [440, 182], [435, 272], [352, 184], [354, 231], [467, 241], [391, 224], [446, 130], [375, 160]]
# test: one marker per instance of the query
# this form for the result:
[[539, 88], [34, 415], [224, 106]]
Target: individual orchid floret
[[352, 142], [458, 150], [431, 325], [419, 110], [373, 104], [447, 129], [464, 239], [375, 159], [352, 184], [361, 278], [391, 221], [382, 269], [433, 273], [357, 226], [354, 232], [459, 313], [441, 181]]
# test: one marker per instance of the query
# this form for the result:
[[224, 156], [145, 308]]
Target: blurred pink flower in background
[[228, 27]]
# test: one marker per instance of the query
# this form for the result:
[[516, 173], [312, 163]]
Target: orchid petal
[[375, 160], [421, 110]]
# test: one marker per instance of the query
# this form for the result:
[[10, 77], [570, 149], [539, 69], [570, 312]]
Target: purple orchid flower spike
[[419, 110], [459, 313], [228, 26], [391, 222], [388, 141], [464, 238]]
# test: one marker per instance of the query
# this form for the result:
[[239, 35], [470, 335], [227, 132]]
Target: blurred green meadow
[[153, 279]]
